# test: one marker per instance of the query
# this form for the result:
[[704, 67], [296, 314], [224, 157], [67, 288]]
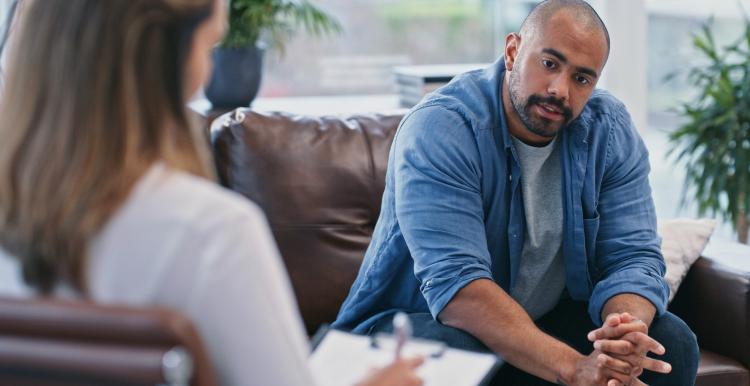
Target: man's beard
[[536, 124]]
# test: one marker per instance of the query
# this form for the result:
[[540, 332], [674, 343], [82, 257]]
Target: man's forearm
[[487, 312], [636, 305]]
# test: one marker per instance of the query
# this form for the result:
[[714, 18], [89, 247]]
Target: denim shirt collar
[[499, 67]]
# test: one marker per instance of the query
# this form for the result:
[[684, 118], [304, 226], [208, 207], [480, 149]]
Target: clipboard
[[342, 359]]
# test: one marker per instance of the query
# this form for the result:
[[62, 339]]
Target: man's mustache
[[550, 100]]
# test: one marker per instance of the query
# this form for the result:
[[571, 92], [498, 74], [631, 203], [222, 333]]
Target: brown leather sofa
[[320, 181], [72, 343]]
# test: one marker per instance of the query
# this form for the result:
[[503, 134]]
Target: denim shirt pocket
[[590, 231]]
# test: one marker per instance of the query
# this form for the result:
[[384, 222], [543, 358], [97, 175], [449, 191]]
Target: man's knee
[[676, 336], [681, 345]]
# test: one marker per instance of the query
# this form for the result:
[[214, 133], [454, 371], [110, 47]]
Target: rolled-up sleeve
[[628, 253], [438, 202]]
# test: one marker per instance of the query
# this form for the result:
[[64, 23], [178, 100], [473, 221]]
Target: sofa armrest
[[714, 300]]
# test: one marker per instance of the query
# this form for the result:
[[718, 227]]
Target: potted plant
[[253, 24], [714, 142]]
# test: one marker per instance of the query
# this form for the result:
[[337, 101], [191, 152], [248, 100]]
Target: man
[[517, 199]]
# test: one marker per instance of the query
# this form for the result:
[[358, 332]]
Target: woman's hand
[[399, 373]]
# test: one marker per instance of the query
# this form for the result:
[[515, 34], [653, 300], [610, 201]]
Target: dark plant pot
[[236, 77]]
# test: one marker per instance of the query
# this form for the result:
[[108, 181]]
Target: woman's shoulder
[[172, 195], [174, 227], [169, 210]]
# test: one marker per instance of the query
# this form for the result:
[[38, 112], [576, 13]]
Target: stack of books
[[414, 82]]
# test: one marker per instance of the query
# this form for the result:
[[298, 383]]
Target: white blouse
[[183, 242]]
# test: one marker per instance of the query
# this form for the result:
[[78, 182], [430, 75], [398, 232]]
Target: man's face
[[552, 74]]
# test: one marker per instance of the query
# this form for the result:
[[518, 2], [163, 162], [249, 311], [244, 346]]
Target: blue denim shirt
[[452, 210]]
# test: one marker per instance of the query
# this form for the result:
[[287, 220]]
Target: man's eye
[[582, 80], [548, 63]]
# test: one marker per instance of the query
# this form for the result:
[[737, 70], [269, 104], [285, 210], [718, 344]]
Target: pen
[[402, 330]]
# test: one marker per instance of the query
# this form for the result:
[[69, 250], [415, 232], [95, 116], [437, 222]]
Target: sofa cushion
[[717, 370], [320, 182], [682, 241]]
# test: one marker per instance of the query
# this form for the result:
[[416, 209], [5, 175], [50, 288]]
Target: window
[[380, 34], [671, 26]]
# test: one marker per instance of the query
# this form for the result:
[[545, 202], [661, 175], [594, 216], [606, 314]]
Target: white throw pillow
[[682, 241]]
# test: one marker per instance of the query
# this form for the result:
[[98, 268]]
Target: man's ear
[[512, 43]]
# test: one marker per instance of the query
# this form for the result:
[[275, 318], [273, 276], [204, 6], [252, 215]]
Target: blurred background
[[379, 34]]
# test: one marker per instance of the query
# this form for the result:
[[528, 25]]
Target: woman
[[105, 192]]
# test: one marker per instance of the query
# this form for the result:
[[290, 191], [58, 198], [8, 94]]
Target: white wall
[[4, 6], [625, 74], [699, 8]]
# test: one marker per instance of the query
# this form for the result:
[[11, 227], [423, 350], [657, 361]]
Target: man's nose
[[559, 87]]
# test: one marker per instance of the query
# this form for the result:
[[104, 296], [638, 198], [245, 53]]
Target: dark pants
[[570, 323]]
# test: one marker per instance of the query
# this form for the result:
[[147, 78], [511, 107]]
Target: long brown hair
[[93, 97]]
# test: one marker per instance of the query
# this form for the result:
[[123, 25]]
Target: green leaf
[[714, 142], [275, 21]]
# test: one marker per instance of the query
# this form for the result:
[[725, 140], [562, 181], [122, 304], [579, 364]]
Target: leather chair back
[[319, 181], [47, 342]]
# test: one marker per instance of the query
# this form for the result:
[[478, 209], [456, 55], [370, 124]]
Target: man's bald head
[[552, 67], [584, 15]]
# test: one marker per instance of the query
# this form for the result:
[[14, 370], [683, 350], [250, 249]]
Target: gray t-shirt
[[541, 274]]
